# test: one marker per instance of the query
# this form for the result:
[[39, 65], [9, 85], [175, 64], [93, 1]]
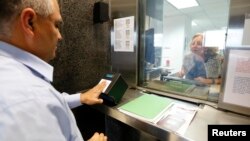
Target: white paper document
[[178, 118], [124, 34]]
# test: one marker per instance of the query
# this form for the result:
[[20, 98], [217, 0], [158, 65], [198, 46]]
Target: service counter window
[[182, 46]]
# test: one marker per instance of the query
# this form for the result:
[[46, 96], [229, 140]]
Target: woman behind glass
[[201, 63]]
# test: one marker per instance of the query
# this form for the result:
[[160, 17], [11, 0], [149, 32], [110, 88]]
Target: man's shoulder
[[14, 73], [10, 68]]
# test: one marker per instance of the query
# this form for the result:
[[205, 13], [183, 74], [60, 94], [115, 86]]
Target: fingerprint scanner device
[[115, 88]]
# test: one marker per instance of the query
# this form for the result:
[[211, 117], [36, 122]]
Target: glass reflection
[[183, 49], [202, 64]]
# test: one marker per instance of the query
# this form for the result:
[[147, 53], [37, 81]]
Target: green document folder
[[147, 107]]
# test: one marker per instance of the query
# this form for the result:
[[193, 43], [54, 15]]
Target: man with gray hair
[[30, 108]]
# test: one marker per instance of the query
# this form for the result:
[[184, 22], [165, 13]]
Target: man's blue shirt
[[30, 108]]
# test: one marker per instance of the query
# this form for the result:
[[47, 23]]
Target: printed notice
[[238, 78], [124, 34]]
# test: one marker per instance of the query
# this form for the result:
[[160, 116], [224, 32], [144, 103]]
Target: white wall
[[173, 41]]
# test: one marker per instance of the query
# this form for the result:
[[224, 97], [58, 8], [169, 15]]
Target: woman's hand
[[208, 80]]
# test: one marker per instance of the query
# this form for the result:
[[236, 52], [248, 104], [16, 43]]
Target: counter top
[[196, 131]]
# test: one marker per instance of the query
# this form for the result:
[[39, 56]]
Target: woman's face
[[196, 45]]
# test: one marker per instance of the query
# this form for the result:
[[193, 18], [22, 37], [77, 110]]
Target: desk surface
[[196, 131], [207, 93]]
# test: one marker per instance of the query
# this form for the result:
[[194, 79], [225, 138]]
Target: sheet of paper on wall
[[178, 118], [124, 34], [237, 81]]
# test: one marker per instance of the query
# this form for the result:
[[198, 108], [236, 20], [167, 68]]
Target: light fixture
[[194, 23], [180, 4]]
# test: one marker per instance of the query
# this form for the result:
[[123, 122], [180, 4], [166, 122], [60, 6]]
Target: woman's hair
[[10, 9], [196, 35]]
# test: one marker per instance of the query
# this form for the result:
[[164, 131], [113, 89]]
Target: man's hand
[[98, 137], [91, 97]]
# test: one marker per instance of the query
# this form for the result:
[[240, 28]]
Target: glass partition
[[182, 47]]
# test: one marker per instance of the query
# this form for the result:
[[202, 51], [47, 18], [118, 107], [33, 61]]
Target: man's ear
[[28, 17]]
